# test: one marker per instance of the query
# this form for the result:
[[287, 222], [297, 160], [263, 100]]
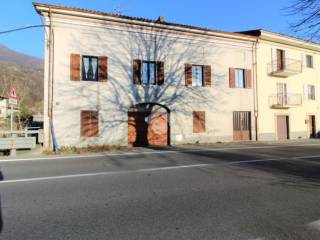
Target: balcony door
[[282, 93], [280, 59]]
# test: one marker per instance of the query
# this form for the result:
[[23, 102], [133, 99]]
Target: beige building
[[4, 107], [288, 71], [118, 80]]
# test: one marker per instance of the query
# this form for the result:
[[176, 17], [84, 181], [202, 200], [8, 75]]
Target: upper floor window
[[309, 61], [280, 59], [240, 78], [89, 68], [148, 73], [309, 92], [197, 75]]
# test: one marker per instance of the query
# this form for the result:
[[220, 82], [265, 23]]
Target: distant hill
[[11, 56], [26, 72]]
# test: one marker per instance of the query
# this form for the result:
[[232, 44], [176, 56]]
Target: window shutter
[[137, 71], [199, 121], [89, 124], [75, 67], [232, 78], [103, 69], [248, 76], [160, 73], [188, 74], [207, 75]]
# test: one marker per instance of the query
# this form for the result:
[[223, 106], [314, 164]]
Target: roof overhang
[[284, 39], [45, 9]]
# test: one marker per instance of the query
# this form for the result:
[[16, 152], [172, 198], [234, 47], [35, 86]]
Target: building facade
[[4, 107], [117, 80], [287, 87]]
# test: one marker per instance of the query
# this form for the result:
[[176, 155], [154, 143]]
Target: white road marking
[[145, 170], [314, 225], [75, 157]]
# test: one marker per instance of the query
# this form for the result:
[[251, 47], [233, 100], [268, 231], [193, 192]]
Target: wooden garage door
[[241, 126], [283, 127], [147, 129]]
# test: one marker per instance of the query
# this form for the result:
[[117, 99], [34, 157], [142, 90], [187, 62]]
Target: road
[[256, 192]]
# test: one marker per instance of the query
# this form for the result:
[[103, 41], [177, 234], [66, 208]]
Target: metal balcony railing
[[285, 100], [285, 68]]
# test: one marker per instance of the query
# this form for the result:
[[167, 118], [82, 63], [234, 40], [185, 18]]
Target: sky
[[227, 15]]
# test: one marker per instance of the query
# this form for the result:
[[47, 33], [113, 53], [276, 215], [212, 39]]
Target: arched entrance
[[148, 125]]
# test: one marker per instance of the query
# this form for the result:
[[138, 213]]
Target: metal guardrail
[[285, 100], [287, 68]]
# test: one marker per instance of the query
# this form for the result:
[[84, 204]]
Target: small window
[[199, 121], [197, 75], [89, 68], [309, 60], [240, 80], [89, 124], [149, 73], [309, 92]]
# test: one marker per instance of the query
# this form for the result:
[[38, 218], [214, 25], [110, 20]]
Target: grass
[[89, 149]]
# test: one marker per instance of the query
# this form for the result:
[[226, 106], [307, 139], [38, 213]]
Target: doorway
[[312, 126], [283, 127]]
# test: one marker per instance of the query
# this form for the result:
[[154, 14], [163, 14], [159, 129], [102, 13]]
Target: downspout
[[255, 88], [49, 79]]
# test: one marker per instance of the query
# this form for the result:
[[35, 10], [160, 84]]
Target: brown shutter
[[75, 67], [94, 124], [232, 78], [89, 123], [137, 71], [199, 121], [248, 77], [84, 123], [160, 73], [103, 69], [207, 76], [188, 74]]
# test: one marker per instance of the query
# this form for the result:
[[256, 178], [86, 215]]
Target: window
[[309, 92], [89, 68], [89, 124], [240, 80], [149, 73], [280, 59], [199, 121], [197, 75], [309, 60]]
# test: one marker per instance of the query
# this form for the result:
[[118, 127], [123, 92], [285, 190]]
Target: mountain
[[11, 56], [24, 71]]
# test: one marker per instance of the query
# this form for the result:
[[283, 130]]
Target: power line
[[22, 28]]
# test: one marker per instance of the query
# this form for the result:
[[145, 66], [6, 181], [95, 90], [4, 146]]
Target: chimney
[[161, 19]]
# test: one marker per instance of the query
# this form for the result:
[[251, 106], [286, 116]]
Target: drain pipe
[[255, 87]]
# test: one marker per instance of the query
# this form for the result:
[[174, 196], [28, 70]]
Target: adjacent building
[[288, 71]]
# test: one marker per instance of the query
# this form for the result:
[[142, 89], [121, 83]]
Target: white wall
[[114, 97]]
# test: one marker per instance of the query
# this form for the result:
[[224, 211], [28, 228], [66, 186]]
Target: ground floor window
[[199, 121], [89, 124]]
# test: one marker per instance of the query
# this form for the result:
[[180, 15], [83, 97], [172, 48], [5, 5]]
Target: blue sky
[[228, 15]]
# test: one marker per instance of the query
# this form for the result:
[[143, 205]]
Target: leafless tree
[[307, 18]]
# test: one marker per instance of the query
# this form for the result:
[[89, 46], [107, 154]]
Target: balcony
[[285, 101], [285, 68]]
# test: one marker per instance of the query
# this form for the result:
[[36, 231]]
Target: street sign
[[13, 95]]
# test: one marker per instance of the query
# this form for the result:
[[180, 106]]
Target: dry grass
[[89, 149]]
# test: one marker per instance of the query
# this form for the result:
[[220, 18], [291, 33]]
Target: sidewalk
[[39, 151]]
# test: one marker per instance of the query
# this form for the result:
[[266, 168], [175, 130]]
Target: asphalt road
[[257, 192]]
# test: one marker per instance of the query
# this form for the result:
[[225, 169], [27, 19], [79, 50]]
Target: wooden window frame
[[148, 72], [96, 79]]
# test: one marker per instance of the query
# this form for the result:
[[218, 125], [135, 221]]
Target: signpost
[[12, 101]]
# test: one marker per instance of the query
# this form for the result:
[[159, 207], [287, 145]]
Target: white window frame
[[197, 79]]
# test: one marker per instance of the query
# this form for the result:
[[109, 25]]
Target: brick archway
[[148, 125]]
